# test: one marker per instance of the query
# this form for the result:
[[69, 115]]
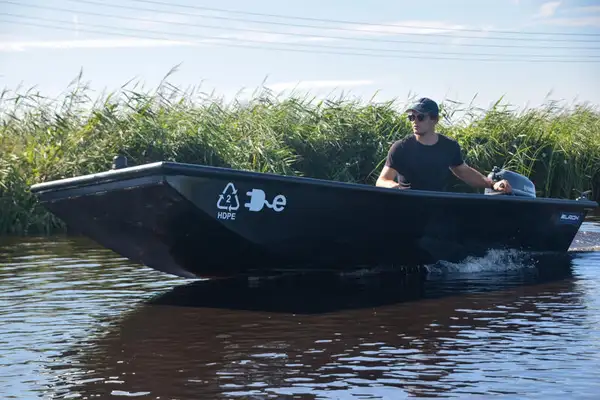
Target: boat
[[200, 221]]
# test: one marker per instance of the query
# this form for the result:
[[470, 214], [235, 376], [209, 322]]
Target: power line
[[349, 22], [309, 26], [294, 44], [300, 34], [195, 36], [403, 56]]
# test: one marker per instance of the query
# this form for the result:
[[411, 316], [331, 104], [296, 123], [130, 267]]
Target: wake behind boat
[[201, 221]]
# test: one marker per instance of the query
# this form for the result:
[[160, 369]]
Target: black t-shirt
[[426, 167]]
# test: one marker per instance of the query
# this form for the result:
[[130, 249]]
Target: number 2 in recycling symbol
[[228, 200]]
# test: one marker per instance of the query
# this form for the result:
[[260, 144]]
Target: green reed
[[43, 139]]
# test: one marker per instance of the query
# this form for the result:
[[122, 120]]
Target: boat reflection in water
[[376, 332]]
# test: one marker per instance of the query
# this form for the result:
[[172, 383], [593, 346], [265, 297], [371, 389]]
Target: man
[[424, 160]]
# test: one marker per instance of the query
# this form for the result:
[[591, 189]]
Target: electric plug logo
[[258, 201]]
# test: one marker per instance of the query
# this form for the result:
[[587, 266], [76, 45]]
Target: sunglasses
[[420, 117]]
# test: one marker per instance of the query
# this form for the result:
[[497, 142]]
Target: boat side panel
[[338, 225], [307, 225]]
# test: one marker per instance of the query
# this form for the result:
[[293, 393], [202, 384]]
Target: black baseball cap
[[426, 106]]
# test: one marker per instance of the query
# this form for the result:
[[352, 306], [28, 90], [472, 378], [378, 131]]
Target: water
[[77, 321]]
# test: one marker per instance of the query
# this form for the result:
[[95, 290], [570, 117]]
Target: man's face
[[421, 123]]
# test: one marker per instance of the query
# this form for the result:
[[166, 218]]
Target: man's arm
[[471, 176], [387, 176], [476, 179]]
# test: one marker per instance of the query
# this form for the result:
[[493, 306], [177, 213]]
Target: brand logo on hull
[[569, 218]]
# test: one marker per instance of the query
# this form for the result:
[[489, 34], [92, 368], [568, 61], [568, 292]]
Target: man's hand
[[502, 186], [396, 185]]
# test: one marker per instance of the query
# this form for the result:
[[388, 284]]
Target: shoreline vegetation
[[41, 139]]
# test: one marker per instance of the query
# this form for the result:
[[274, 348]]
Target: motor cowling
[[521, 185]]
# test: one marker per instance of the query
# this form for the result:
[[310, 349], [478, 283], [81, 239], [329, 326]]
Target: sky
[[468, 51]]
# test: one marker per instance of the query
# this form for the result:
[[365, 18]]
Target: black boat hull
[[199, 221]]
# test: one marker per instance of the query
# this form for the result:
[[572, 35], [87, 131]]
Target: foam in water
[[494, 261]]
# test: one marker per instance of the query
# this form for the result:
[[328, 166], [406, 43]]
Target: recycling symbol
[[228, 200]]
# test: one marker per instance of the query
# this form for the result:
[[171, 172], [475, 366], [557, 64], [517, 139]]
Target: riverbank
[[42, 139]]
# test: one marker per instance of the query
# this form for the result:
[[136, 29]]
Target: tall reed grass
[[42, 139]]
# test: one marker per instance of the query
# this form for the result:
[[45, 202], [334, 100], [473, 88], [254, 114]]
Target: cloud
[[584, 16], [548, 9], [485, 32], [349, 32], [265, 37], [412, 27], [423, 28], [153, 21], [318, 84], [89, 44]]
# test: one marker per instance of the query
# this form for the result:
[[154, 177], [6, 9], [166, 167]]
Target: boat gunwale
[[165, 168]]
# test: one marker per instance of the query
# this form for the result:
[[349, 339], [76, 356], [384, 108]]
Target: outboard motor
[[521, 185]]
